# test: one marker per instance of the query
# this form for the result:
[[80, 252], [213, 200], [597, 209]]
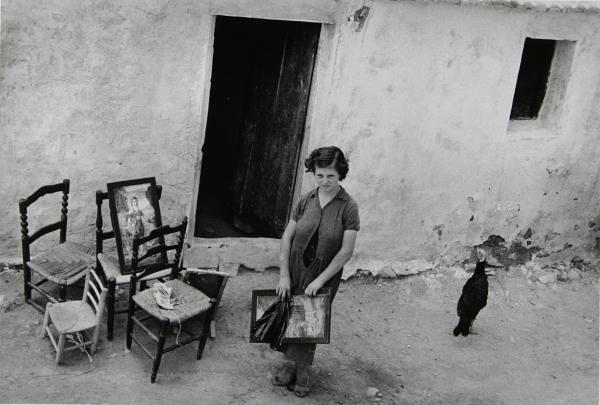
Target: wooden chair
[[109, 265], [189, 304], [212, 283], [74, 317], [63, 264]]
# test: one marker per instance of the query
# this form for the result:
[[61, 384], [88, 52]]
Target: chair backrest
[[61, 225], [160, 247], [102, 235], [210, 282], [94, 293]]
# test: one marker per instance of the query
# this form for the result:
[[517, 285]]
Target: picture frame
[[134, 212], [301, 328]]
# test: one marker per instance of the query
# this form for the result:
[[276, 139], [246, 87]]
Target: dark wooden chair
[[63, 264], [108, 265], [212, 283], [190, 303]]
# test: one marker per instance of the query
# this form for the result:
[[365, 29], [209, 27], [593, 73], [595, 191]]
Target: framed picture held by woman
[[309, 319], [134, 212]]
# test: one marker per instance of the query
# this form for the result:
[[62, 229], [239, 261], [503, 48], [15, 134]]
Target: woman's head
[[134, 202], [327, 157]]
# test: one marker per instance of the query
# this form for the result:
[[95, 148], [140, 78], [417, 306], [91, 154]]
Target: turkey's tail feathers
[[463, 327]]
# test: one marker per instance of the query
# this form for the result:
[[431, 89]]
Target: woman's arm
[[339, 260], [284, 286]]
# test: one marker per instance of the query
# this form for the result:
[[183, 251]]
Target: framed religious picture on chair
[[309, 319], [134, 212]]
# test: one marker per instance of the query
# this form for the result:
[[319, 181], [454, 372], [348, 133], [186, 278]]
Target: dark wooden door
[[261, 78], [273, 127]]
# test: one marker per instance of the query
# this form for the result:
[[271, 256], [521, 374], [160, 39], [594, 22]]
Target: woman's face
[[134, 203], [327, 178]]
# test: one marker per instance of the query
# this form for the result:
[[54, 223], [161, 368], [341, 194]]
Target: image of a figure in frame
[[136, 216], [134, 224]]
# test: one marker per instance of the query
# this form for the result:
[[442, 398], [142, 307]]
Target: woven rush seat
[[110, 265], [189, 302], [63, 264]]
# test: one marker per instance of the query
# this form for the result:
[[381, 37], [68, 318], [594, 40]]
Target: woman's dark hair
[[325, 157]]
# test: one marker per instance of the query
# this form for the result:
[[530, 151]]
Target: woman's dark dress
[[318, 238]]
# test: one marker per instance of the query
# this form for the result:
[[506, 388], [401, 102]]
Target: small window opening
[[533, 78]]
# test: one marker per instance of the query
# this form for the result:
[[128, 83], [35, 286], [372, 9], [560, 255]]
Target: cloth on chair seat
[[72, 316], [110, 265], [63, 264], [189, 302]]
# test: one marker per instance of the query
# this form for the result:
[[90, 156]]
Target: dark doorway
[[261, 78]]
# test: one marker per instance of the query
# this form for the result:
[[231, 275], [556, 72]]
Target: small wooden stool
[[72, 317]]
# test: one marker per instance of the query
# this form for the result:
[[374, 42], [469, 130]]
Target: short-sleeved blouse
[[339, 215]]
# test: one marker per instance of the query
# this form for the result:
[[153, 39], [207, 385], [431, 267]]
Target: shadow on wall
[[511, 255]]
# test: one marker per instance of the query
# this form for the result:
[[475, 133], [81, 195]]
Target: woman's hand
[[284, 287], [312, 288]]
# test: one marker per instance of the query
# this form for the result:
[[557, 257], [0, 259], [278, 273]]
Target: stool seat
[[72, 316]]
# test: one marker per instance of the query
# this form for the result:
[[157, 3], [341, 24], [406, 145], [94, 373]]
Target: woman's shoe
[[302, 386], [284, 380], [284, 374], [301, 390]]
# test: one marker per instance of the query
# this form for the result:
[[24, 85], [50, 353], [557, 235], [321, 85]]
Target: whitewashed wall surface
[[417, 93]]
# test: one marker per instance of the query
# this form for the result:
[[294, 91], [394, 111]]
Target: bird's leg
[[471, 328]]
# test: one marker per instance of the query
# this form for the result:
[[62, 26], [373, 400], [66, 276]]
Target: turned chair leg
[[205, 332], [164, 330], [110, 308], [130, 314], [26, 281], [61, 348], [62, 292]]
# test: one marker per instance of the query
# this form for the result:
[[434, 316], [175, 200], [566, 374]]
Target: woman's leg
[[301, 352], [303, 355], [302, 386]]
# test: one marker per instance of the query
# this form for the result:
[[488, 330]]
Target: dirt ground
[[536, 344]]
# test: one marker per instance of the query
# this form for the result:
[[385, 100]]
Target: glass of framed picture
[[309, 317], [134, 212]]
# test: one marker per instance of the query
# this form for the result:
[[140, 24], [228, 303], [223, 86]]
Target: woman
[[316, 244]]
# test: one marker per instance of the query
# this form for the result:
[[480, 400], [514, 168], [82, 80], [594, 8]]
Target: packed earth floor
[[536, 343]]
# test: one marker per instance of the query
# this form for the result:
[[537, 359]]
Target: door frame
[[318, 87]]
